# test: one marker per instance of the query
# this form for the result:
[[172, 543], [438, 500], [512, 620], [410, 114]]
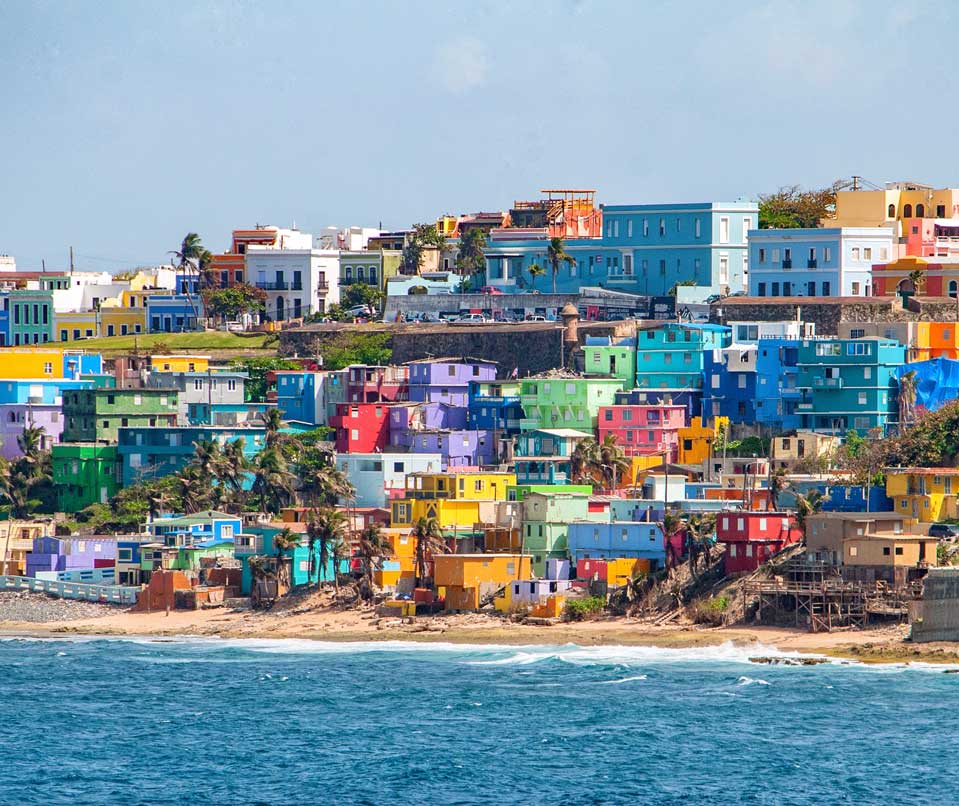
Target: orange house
[[922, 277]]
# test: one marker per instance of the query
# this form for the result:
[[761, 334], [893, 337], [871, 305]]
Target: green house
[[566, 402], [94, 415], [610, 359], [545, 528], [84, 474]]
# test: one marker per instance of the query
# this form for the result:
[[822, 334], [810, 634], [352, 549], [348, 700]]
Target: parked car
[[491, 289], [713, 298], [944, 530], [535, 317], [472, 317]]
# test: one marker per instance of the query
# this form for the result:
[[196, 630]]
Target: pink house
[[643, 430]]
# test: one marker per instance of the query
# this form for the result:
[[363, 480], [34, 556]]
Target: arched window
[[907, 211], [953, 289], [892, 211], [920, 211]]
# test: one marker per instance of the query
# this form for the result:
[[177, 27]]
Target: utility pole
[[71, 261], [855, 182]]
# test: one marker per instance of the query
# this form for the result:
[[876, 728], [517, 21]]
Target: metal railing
[[115, 594], [282, 285]]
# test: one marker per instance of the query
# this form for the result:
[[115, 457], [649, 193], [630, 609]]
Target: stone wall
[[529, 347], [827, 314], [936, 616]]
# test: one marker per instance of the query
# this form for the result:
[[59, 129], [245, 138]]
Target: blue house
[[730, 387], [543, 456], [588, 540], [76, 364], [310, 397], [816, 262], [304, 569], [646, 249], [189, 530], [854, 498], [48, 391], [494, 406], [174, 313], [777, 392], [155, 451]]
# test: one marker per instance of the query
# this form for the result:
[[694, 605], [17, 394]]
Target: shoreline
[[885, 645]]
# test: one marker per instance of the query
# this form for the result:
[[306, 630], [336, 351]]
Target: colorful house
[[609, 358], [29, 316], [651, 430], [629, 539], [821, 261], [696, 439], [185, 530], [925, 493], [85, 473], [174, 313], [303, 563], [849, 384], [377, 477], [545, 525], [361, 427], [179, 363], [68, 553], [458, 448], [494, 406], [310, 397], [468, 579], [777, 392], [751, 538], [95, 415], [377, 384], [565, 402], [544, 456], [447, 380]]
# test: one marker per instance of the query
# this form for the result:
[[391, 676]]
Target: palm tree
[[189, 259], [670, 524], [372, 548], [583, 461], [429, 541], [555, 255], [907, 399], [326, 526], [272, 422], [232, 469], [283, 541], [699, 529], [30, 442], [612, 461], [807, 505], [777, 483], [535, 270], [272, 481]]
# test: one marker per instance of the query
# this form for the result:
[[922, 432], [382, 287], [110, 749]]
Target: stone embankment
[[24, 606]]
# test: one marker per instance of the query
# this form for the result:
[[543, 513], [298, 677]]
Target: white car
[[472, 317]]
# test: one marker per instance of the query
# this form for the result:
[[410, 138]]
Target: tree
[[807, 505], [777, 483], [231, 303], [193, 258], [272, 481], [583, 461], [373, 547], [428, 538], [283, 541], [670, 525], [471, 258], [535, 270], [699, 531], [326, 527], [361, 294], [791, 207], [917, 278], [423, 236], [256, 386], [555, 255], [611, 461]]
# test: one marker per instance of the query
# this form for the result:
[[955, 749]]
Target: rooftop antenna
[[71, 261], [855, 182]]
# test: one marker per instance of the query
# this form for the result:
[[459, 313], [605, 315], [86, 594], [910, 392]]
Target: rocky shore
[[24, 606]]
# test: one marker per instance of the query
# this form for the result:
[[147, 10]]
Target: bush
[[580, 609], [709, 611]]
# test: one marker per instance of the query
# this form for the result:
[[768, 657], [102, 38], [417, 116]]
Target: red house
[[752, 537], [374, 384], [361, 427], [643, 430]]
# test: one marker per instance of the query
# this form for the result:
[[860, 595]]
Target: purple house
[[15, 417], [458, 448], [66, 553], [447, 380], [412, 417]]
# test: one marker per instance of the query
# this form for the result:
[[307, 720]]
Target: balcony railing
[[827, 383], [295, 286], [274, 286], [787, 264], [812, 264]]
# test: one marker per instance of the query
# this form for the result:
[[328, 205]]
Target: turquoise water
[[277, 722]]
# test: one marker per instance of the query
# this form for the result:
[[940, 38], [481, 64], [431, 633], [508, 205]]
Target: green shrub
[[580, 609], [709, 611]]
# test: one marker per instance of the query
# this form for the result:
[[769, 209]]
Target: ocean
[[179, 721]]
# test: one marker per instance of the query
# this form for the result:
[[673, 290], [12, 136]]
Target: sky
[[125, 125]]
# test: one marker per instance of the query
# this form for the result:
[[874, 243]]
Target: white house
[[298, 281]]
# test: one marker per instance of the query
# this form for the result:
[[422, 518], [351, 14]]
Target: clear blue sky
[[126, 124]]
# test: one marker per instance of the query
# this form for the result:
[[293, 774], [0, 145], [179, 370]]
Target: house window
[[762, 255], [662, 227], [855, 253], [698, 227], [724, 230]]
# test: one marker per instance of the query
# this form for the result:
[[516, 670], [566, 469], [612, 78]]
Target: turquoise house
[[257, 541], [543, 456], [849, 384]]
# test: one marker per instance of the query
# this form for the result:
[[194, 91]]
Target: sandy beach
[[322, 622]]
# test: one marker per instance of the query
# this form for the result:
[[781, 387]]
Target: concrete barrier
[[110, 594]]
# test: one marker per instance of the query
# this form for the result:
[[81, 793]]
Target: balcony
[[827, 383], [787, 264], [320, 286], [280, 285], [296, 286], [812, 264]]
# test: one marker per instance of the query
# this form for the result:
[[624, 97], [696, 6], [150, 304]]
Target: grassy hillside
[[175, 342]]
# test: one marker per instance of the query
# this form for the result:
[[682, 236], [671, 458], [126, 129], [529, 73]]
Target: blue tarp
[[937, 382]]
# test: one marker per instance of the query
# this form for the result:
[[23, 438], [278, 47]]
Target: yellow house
[[116, 320], [696, 439], [16, 542], [446, 225], [888, 207], [638, 465], [925, 493], [179, 363], [20, 363], [453, 515], [76, 325], [469, 578], [804, 446], [472, 485]]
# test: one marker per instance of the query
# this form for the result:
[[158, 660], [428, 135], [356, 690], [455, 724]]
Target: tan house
[[868, 547], [803, 447], [16, 541]]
